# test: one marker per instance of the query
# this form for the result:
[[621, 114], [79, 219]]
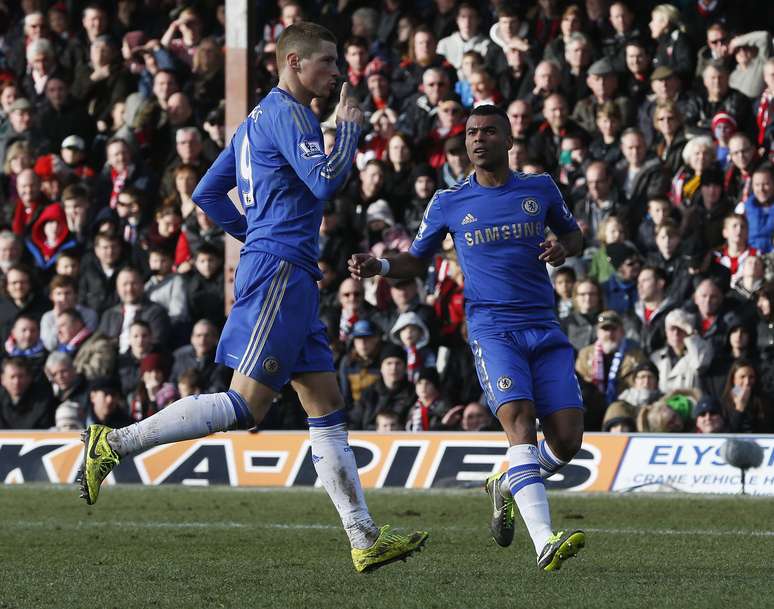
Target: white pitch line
[[31, 524]]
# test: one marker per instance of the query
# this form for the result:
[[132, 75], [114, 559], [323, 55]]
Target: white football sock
[[549, 465], [529, 493], [549, 462], [194, 416], [334, 462]]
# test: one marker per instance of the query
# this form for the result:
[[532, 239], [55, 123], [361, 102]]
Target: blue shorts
[[274, 330], [536, 364]]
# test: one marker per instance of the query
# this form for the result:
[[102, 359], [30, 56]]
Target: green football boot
[[387, 548], [559, 547], [99, 459]]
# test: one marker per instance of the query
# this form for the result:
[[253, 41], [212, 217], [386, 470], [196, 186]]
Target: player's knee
[[567, 445]]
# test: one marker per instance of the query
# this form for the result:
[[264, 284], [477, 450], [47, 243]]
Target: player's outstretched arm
[[211, 195], [403, 265]]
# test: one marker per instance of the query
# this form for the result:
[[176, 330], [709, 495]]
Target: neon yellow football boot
[[559, 547], [99, 459], [388, 548]]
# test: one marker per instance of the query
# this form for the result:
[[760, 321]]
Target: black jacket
[[34, 410]]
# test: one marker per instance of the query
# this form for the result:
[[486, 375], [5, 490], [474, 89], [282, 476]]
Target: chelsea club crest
[[530, 206]]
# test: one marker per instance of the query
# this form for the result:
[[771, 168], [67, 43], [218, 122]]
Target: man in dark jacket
[[392, 391], [23, 405], [359, 368], [97, 287], [116, 321]]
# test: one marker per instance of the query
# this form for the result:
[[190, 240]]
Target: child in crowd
[[428, 411], [413, 335]]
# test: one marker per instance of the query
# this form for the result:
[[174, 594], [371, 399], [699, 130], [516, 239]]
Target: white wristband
[[385, 266]]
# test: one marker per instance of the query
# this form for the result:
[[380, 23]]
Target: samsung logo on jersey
[[518, 230], [310, 148]]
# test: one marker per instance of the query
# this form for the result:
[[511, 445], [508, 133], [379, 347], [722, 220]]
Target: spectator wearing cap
[[620, 417], [620, 291], [73, 155], [22, 127], [718, 96], [430, 409], [644, 386], [101, 81], [467, 37], [106, 404], [423, 182], [23, 404], [605, 366], [69, 416], [711, 207], [659, 418], [723, 128], [379, 217], [153, 391], [378, 94], [667, 86], [686, 355], [708, 416], [392, 391], [359, 368], [750, 51], [602, 80]]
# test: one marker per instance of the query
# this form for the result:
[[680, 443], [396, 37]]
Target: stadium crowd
[[656, 121]]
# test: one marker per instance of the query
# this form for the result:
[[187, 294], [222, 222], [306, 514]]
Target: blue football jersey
[[277, 161], [497, 232]]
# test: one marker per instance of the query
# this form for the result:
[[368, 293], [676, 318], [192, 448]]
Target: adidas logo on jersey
[[469, 219]]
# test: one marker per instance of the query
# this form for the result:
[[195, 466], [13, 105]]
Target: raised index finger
[[344, 93]]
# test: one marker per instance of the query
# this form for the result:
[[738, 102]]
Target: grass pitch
[[181, 547]]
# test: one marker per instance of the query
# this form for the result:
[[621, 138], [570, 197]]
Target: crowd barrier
[[606, 462]]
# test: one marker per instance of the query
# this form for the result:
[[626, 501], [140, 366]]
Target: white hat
[[74, 141]]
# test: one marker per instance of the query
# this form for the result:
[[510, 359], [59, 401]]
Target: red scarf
[[119, 180], [413, 362], [762, 119]]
